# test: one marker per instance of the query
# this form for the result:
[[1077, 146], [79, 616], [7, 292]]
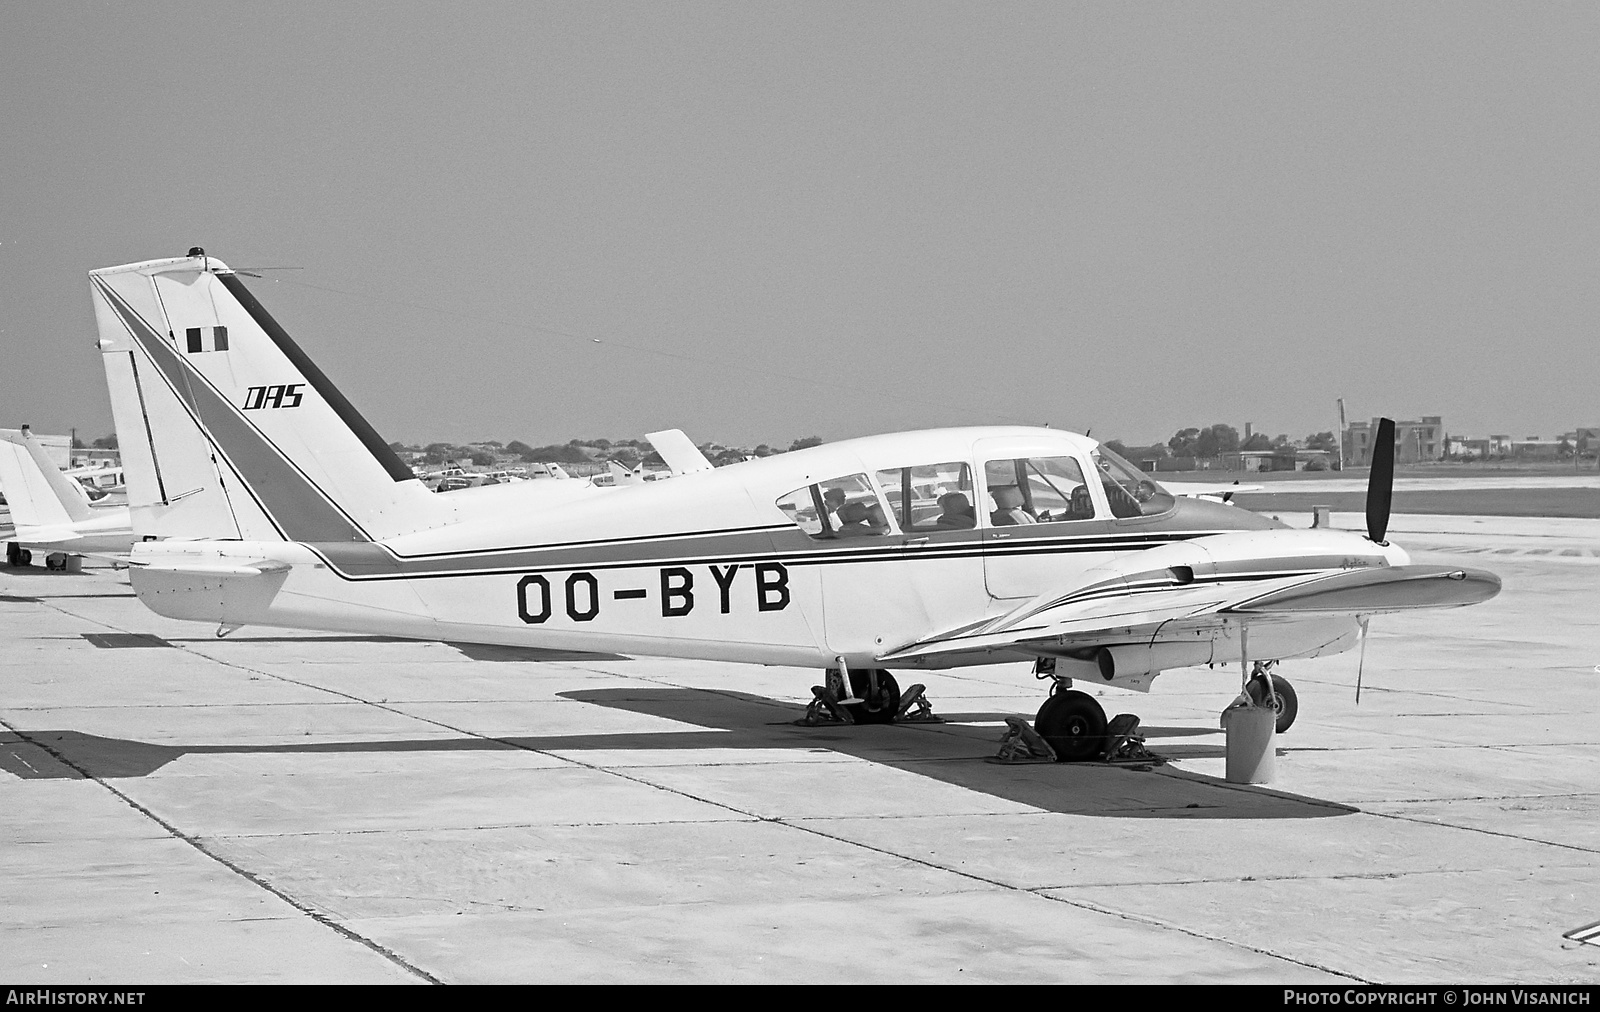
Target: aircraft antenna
[[249, 271], [1361, 658]]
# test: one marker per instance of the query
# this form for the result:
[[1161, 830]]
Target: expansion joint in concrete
[[244, 873]]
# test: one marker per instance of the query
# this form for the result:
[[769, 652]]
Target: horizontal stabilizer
[[214, 568]]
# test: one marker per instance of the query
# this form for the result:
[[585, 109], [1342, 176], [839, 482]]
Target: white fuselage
[[706, 566]]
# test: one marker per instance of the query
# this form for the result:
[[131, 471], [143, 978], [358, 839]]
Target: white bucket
[[1252, 757]]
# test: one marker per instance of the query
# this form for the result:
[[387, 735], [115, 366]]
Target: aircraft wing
[[1120, 612], [1194, 490]]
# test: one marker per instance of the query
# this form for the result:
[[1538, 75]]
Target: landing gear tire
[[16, 555], [1288, 703], [874, 708], [1074, 725]]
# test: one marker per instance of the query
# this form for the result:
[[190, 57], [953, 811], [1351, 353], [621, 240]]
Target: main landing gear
[[16, 555], [1284, 699], [874, 697], [1071, 726], [1072, 723]]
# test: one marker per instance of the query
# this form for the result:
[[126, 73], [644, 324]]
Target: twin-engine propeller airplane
[[917, 550]]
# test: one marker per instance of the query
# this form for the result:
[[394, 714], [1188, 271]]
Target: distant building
[[1414, 441], [1469, 447], [94, 455], [57, 448], [1534, 448], [1288, 459]]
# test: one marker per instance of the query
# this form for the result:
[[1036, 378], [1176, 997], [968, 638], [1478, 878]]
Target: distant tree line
[[1217, 440], [627, 452]]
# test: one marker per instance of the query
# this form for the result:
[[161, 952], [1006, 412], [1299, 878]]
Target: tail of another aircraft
[[32, 497], [42, 491], [227, 428]]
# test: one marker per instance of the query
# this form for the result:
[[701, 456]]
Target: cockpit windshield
[[1129, 490]]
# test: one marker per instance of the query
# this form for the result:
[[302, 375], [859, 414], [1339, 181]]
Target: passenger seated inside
[[833, 498], [1009, 512], [955, 513], [857, 519]]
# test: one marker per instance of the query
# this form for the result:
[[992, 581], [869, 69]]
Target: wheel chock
[[1022, 744], [824, 709], [1124, 743], [915, 708]]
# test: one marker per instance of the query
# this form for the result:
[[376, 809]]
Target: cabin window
[[1129, 491], [1036, 490], [930, 497], [845, 507]]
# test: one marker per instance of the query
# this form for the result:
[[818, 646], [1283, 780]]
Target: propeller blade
[[1380, 481]]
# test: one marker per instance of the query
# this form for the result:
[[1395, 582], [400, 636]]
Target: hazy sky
[[780, 219]]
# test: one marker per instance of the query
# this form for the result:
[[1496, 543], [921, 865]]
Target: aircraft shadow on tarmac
[[949, 753]]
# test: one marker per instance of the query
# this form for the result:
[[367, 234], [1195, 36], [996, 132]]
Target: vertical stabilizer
[[28, 494], [193, 361], [73, 499], [678, 451]]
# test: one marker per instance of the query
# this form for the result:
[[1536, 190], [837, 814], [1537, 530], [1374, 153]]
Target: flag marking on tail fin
[[196, 339], [297, 507]]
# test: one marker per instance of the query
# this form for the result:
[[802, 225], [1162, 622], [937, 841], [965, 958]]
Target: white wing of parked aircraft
[[911, 550], [50, 511], [1220, 492], [99, 481]]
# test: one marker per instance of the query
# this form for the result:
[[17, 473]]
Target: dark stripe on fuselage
[[386, 457], [377, 562], [296, 507]]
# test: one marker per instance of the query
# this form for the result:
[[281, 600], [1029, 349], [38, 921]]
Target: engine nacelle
[[1151, 658]]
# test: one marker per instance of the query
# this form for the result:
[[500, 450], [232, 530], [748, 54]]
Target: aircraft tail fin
[[678, 451], [71, 497], [29, 495], [215, 402]]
